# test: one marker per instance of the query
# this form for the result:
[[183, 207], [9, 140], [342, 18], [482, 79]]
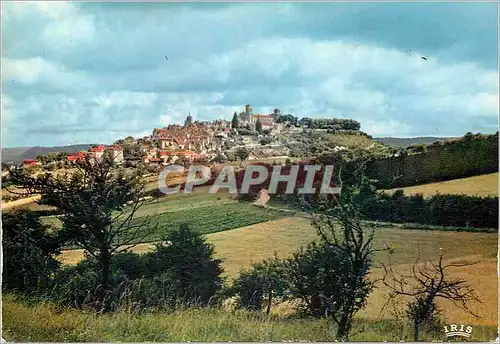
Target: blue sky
[[88, 72]]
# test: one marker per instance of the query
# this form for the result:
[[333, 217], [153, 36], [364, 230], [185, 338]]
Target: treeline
[[441, 210], [469, 156], [331, 123], [320, 123]]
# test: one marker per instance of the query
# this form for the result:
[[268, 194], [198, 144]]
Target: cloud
[[78, 72]]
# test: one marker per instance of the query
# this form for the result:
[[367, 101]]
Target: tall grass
[[45, 322]]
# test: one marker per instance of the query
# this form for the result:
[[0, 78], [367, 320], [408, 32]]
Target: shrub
[[28, 250], [186, 261], [260, 285]]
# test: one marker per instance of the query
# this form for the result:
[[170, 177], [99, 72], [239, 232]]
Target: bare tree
[[98, 203], [426, 284]]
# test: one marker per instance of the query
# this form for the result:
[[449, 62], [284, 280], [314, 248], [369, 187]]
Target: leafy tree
[[132, 150], [306, 122], [316, 275], [260, 285], [341, 231], [187, 261], [258, 126], [234, 122], [28, 252], [242, 153], [220, 158], [98, 203]]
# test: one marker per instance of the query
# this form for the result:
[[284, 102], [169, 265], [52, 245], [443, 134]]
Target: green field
[[203, 212], [243, 234]]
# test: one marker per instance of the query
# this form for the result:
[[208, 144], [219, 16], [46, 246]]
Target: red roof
[[100, 148], [30, 161], [263, 116], [76, 156], [116, 148]]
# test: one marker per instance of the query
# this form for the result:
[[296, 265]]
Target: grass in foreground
[[482, 186], [43, 322], [241, 247]]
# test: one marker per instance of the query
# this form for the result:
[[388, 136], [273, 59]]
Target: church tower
[[189, 120]]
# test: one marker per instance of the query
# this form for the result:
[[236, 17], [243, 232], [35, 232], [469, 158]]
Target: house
[[75, 157], [31, 162], [117, 154], [267, 121], [173, 156], [96, 152], [258, 155]]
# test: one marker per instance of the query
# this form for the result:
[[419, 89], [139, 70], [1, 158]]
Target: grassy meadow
[[241, 247], [483, 186], [43, 322], [243, 234]]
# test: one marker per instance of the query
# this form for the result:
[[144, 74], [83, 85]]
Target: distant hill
[[404, 142], [18, 154]]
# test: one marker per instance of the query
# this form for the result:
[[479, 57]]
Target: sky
[[96, 72]]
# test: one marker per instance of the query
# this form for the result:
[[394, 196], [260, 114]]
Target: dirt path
[[19, 202]]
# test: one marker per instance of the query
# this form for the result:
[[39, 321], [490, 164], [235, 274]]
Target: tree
[[241, 153], [98, 203], [306, 122], [340, 230], [258, 126], [28, 250], [260, 285], [186, 261], [316, 275], [234, 122], [427, 284]]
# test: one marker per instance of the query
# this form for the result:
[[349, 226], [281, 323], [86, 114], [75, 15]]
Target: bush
[[187, 262], [262, 283], [318, 276], [28, 250]]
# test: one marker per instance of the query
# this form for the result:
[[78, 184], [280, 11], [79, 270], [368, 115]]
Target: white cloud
[[75, 84], [48, 74]]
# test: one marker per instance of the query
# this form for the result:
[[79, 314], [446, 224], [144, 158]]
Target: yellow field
[[240, 247], [484, 186]]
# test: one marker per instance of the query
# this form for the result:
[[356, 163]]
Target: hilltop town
[[248, 136]]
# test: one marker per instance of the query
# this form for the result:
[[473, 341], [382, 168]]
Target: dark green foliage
[[306, 122], [258, 126], [242, 153], [441, 210], [186, 260], [472, 155], [181, 271], [334, 123], [317, 275], [343, 235], [287, 119], [247, 132], [260, 285], [132, 150], [265, 141], [97, 203], [28, 252], [424, 315], [234, 122]]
